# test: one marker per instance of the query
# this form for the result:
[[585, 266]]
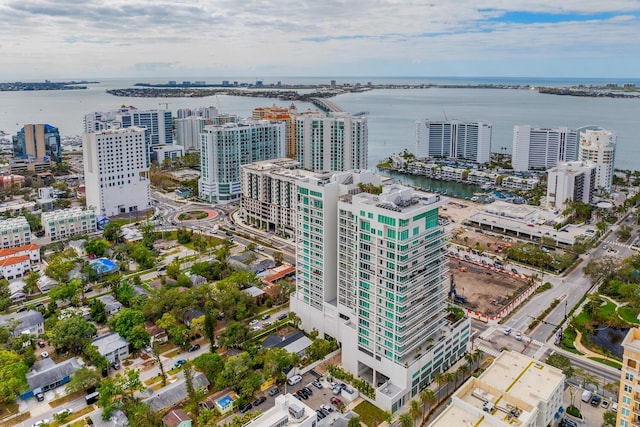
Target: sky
[[49, 39]]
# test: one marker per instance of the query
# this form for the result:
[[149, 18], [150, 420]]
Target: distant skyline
[[53, 39]]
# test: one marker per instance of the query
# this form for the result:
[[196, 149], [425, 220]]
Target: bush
[[573, 411]]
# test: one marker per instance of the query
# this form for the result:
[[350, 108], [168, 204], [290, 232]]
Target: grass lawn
[[173, 353], [582, 319], [8, 409], [629, 314], [608, 362], [568, 338], [369, 414], [17, 420], [607, 310]]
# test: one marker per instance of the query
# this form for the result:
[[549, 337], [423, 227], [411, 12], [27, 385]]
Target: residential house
[[197, 280], [156, 334], [28, 322], [47, 375], [112, 346], [46, 283], [16, 291], [190, 315], [176, 418], [296, 342], [111, 305], [15, 267], [175, 393], [256, 293]]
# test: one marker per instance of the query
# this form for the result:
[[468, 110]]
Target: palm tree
[[415, 411], [439, 377], [450, 377], [463, 371], [479, 356], [405, 420], [471, 359], [427, 397]]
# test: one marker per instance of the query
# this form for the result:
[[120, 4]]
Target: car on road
[[21, 309], [605, 246], [41, 422], [335, 401], [507, 330], [519, 336], [256, 328], [514, 271], [274, 391], [179, 363], [265, 317], [245, 408], [283, 316], [194, 347], [259, 401], [254, 322], [260, 248], [64, 412]]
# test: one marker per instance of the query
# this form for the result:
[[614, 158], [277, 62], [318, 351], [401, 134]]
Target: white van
[[294, 380], [586, 396]]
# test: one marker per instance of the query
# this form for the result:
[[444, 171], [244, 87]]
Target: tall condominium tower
[[38, 142], [331, 142], [116, 173], [598, 147], [188, 132], [453, 139], [281, 114], [225, 148], [629, 394], [372, 274], [570, 182], [157, 124], [541, 148]]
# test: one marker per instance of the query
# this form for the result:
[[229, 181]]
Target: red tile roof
[[13, 260], [175, 417], [10, 251]]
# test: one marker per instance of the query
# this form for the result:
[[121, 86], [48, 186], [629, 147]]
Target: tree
[[210, 329], [72, 334], [192, 393], [13, 372], [601, 268], [155, 350], [415, 411], [31, 283], [405, 420], [239, 373], [235, 335], [112, 232], [276, 360], [5, 295], [97, 247], [59, 268], [66, 291], [129, 323], [278, 258], [98, 311], [608, 419], [427, 398], [561, 362], [210, 364], [83, 379], [354, 422], [125, 293]]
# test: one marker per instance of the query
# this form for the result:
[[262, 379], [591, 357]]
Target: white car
[[254, 322], [507, 330], [260, 248], [64, 412], [519, 336], [44, 354], [41, 422]]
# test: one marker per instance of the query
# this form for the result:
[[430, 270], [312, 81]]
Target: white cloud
[[290, 37]]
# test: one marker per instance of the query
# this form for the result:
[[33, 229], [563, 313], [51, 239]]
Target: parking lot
[[592, 415]]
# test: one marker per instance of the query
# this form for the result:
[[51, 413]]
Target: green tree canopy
[[13, 372], [72, 334]]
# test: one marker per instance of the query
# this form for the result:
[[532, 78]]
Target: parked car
[[335, 401], [507, 330], [320, 414], [64, 412], [194, 347], [283, 316], [39, 397], [307, 390], [595, 400], [317, 384], [259, 401], [614, 407], [266, 316], [254, 322], [115, 365], [274, 391], [605, 404], [41, 422], [514, 271], [179, 363], [326, 408], [245, 408]]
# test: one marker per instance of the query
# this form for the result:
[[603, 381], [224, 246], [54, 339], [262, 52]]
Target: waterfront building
[[157, 124], [39, 142], [116, 172], [281, 114], [598, 147], [629, 394], [188, 130], [207, 113], [287, 411], [370, 265], [519, 182], [542, 148], [65, 223], [15, 232], [269, 194], [227, 147], [515, 390], [453, 139], [570, 182], [331, 142], [482, 178]]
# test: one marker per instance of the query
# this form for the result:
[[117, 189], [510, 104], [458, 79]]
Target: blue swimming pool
[[104, 266], [225, 401]]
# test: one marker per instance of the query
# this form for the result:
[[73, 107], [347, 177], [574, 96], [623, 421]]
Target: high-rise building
[[40, 142], [453, 140], [207, 113], [188, 132], [598, 147], [515, 390], [157, 124], [629, 394], [269, 195], [570, 182], [225, 148], [372, 274], [281, 114], [331, 142], [542, 148], [116, 173]]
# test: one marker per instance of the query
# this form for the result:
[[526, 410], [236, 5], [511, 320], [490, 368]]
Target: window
[[629, 377]]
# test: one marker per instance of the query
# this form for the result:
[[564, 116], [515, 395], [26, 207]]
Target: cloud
[[292, 36]]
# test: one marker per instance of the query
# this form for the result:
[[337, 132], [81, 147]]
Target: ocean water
[[392, 113]]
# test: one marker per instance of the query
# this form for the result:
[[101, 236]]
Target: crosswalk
[[618, 244]]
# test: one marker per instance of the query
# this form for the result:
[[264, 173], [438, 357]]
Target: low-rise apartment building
[[65, 223]]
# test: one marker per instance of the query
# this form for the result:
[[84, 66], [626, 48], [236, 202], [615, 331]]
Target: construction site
[[483, 289]]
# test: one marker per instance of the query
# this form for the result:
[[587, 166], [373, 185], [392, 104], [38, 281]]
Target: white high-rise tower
[[598, 147]]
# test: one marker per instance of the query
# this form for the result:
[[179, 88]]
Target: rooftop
[[632, 340], [279, 413]]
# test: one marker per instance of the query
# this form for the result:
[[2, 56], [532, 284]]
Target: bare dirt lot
[[485, 290]]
